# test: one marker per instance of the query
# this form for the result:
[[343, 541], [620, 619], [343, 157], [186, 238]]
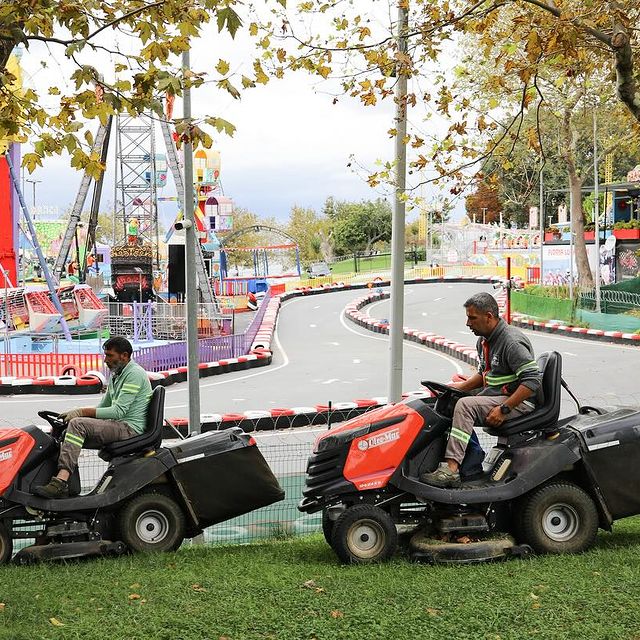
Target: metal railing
[[252, 329], [610, 301], [174, 355], [165, 321]]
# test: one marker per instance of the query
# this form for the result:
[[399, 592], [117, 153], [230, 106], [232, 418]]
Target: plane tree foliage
[[513, 38], [126, 58]]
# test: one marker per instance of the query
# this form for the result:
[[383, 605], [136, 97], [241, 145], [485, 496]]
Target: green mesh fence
[[541, 307]]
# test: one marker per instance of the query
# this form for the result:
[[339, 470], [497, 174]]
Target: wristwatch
[[505, 409]]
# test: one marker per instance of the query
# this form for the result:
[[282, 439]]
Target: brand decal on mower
[[5, 455], [379, 439]]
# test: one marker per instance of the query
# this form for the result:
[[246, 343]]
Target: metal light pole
[[33, 183], [541, 222], [398, 218], [570, 242], [191, 288], [596, 207]]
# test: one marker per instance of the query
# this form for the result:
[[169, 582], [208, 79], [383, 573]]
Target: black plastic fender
[[121, 480], [531, 465]]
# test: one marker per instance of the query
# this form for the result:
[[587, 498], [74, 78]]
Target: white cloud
[[292, 145]]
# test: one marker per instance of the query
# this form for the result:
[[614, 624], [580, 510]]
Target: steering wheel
[[56, 422], [440, 389], [446, 397]]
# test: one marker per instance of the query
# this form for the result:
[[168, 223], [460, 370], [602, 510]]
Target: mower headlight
[[342, 438]]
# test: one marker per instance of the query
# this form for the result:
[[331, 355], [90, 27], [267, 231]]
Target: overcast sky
[[292, 145]]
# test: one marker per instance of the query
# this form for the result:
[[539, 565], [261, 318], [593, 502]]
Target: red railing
[[33, 365]]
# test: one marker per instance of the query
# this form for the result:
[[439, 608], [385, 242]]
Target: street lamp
[[34, 183]]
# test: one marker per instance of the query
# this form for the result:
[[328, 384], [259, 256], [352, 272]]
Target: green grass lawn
[[294, 588]]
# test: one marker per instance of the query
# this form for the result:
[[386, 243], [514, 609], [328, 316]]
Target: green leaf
[[221, 125], [228, 18]]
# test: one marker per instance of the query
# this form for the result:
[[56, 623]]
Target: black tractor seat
[[147, 441], [544, 417]]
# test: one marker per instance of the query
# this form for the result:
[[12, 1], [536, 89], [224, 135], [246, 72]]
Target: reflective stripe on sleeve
[[458, 434], [527, 365]]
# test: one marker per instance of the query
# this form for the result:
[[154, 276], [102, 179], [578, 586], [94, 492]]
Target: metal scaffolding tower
[[135, 183]]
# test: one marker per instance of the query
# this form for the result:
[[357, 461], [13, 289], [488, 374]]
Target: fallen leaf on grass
[[2, 606], [200, 589], [134, 596], [310, 584], [464, 540], [534, 596], [433, 612], [535, 605], [56, 623], [337, 614]]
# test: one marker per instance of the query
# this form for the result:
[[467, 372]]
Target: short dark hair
[[483, 302], [119, 345]]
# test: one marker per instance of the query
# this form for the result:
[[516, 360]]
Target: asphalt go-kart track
[[320, 356]]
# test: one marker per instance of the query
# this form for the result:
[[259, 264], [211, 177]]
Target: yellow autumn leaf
[[56, 623], [134, 596], [222, 67]]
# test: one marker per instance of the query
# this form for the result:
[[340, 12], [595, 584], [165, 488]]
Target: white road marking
[[452, 362], [267, 370], [438, 299], [313, 326], [424, 313], [568, 353], [330, 380], [317, 306], [335, 344], [238, 399], [356, 361]]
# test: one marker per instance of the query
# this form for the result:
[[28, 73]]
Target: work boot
[[442, 477], [55, 489]]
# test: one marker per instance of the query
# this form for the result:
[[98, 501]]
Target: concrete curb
[[615, 337]]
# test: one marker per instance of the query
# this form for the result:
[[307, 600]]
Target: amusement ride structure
[[135, 253]]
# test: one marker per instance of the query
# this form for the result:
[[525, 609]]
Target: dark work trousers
[[91, 433], [470, 411]]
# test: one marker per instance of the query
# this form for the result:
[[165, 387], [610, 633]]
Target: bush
[[631, 224]]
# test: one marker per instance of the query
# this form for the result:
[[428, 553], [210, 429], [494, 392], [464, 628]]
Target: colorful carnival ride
[[30, 309]]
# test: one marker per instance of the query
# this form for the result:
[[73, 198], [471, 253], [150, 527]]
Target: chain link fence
[[287, 452]]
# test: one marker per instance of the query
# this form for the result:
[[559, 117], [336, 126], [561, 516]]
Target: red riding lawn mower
[[545, 487], [149, 498]]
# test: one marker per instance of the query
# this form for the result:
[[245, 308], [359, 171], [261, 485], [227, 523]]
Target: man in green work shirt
[[121, 414]]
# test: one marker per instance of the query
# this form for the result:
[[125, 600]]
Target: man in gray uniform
[[508, 377]]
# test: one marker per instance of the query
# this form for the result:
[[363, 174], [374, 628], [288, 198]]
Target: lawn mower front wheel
[[364, 534], [6, 544]]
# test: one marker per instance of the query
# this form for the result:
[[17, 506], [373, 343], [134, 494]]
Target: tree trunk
[[585, 279]]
